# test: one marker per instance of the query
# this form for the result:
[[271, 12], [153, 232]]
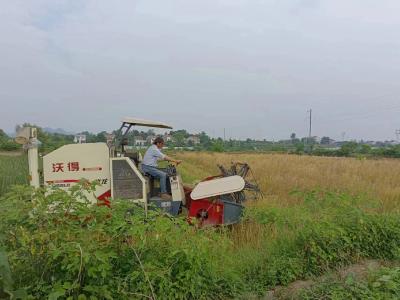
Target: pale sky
[[254, 67]]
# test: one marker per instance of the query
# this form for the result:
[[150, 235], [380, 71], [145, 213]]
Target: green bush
[[59, 247]]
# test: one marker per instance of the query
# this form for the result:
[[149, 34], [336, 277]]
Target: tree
[[300, 148], [3, 136], [365, 149], [150, 132], [205, 140], [348, 148], [179, 137], [218, 146], [6, 143], [101, 137], [293, 136]]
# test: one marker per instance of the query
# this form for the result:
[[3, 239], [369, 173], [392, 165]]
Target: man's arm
[[167, 158]]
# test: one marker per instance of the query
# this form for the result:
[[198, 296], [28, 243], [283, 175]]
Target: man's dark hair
[[158, 140]]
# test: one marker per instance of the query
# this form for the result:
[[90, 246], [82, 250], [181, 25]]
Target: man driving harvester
[[149, 165]]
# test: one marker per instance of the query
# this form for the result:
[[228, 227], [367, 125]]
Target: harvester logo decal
[[72, 166], [58, 167]]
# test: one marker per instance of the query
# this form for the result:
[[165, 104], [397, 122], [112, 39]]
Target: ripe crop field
[[279, 175], [319, 215]]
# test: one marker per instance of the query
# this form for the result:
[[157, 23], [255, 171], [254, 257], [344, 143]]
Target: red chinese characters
[[73, 166], [58, 167]]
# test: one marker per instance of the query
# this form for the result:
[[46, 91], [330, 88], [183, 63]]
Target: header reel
[[251, 189]]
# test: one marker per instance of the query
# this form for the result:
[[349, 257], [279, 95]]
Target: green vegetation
[[6, 143], [62, 248], [327, 231], [13, 170], [353, 149], [58, 247], [380, 285]]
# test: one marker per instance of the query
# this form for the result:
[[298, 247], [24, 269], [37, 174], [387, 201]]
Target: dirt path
[[359, 271]]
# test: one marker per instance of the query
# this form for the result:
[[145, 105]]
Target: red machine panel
[[208, 212]]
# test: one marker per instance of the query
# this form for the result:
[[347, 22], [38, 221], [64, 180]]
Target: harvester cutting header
[[214, 201]]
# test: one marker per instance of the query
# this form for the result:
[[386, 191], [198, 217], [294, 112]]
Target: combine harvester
[[217, 200]]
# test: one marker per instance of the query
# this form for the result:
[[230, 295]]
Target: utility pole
[[224, 135], [309, 130]]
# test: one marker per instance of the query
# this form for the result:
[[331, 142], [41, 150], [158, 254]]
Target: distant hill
[[57, 130]]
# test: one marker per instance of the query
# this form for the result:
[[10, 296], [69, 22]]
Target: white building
[[193, 139], [80, 138], [167, 137], [140, 141]]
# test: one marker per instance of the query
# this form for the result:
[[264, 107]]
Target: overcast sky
[[254, 67]]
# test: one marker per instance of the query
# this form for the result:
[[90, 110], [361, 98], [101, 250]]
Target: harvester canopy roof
[[146, 123]]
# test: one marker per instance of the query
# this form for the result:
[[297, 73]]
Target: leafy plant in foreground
[[61, 247]]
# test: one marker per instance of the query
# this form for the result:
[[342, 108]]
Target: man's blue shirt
[[153, 154]]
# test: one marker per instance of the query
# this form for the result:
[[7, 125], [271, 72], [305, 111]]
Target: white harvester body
[[67, 165], [118, 175]]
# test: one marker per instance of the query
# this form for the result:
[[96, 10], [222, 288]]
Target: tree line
[[179, 139]]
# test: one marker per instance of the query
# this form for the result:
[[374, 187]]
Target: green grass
[[13, 170], [380, 284]]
